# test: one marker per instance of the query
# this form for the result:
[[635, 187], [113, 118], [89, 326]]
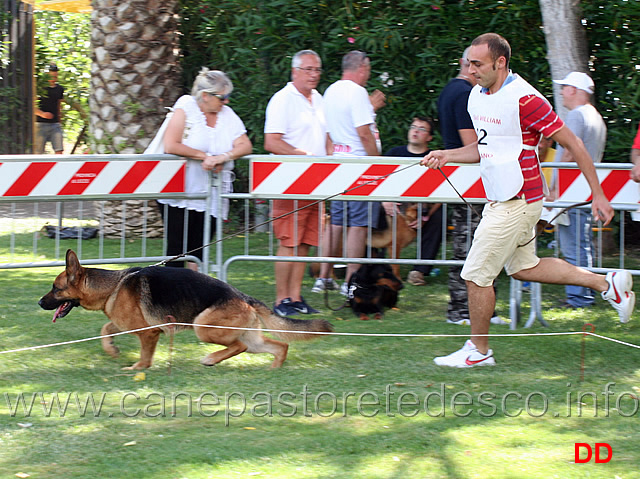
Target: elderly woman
[[205, 130]]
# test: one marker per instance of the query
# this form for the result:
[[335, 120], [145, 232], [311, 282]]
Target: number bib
[[496, 119]]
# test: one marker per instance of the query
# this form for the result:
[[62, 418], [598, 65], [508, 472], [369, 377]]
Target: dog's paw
[[378, 316], [364, 317], [208, 361], [138, 365], [110, 348]]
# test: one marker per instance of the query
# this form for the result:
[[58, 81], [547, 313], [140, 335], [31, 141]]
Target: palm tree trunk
[[134, 74]]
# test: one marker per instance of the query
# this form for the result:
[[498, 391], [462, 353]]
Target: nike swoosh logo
[[618, 299], [470, 362], [303, 310]]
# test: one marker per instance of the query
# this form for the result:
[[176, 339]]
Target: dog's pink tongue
[[57, 313]]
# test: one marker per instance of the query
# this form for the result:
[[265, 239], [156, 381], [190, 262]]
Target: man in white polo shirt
[[295, 125], [351, 122]]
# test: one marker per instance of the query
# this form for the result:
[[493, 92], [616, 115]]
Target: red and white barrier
[[314, 179], [90, 178]]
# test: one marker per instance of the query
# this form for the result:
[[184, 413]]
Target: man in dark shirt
[[419, 136], [48, 116]]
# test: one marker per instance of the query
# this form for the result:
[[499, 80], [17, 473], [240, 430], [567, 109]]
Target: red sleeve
[[537, 118], [636, 142]]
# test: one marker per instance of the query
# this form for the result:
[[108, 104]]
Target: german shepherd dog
[[383, 237], [371, 289], [136, 298]]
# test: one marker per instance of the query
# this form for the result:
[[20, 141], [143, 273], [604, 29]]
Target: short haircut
[[211, 81], [426, 119], [497, 44], [53, 67], [465, 56], [296, 61], [353, 60]]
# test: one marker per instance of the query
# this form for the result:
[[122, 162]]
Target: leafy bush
[[413, 46]]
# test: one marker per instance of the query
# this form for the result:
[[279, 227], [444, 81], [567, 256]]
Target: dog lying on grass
[[373, 288], [136, 298]]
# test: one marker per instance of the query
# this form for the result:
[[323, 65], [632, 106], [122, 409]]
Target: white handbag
[[157, 144]]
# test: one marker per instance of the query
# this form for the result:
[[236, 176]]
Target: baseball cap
[[579, 80]]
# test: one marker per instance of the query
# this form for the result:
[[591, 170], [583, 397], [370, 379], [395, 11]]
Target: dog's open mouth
[[63, 310]]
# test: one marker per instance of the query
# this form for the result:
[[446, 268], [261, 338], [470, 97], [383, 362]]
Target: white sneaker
[[322, 284], [619, 294], [498, 320], [467, 357], [461, 322], [344, 289]]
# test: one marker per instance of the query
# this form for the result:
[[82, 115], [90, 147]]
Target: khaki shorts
[[503, 228], [298, 228]]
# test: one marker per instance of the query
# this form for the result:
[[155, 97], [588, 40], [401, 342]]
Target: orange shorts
[[307, 221]]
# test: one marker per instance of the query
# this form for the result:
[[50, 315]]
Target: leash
[[458, 193], [541, 224], [250, 228], [326, 302]]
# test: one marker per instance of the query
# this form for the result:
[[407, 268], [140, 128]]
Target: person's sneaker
[[466, 357], [285, 308], [416, 278], [322, 284], [498, 320], [302, 307], [344, 289], [619, 294], [460, 322]]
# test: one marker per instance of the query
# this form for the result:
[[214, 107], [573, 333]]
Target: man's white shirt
[[302, 123], [347, 107]]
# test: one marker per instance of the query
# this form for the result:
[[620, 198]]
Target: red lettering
[[607, 447], [577, 453]]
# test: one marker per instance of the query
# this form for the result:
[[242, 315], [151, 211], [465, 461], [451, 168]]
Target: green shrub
[[414, 44]]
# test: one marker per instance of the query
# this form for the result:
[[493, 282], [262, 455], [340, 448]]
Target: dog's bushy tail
[[272, 321]]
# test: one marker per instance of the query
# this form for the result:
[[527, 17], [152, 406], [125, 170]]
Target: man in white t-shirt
[[295, 125], [351, 122]]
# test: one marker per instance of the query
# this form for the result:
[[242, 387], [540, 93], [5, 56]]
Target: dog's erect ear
[[73, 266]]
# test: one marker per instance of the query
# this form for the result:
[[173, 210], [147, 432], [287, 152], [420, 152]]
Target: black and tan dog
[[136, 298], [384, 238], [373, 288]]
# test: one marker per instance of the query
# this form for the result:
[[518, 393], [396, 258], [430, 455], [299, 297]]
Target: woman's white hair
[[211, 81]]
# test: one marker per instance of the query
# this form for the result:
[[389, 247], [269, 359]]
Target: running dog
[[137, 298], [373, 288]]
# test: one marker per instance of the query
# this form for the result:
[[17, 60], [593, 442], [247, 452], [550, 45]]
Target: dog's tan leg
[[107, 343], [148, 341], [397, 250], [231, 350], [266, 345]]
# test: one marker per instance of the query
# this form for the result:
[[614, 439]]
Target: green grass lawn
[[340, 407]]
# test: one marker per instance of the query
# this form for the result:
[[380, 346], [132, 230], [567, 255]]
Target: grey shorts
[[47, 132]]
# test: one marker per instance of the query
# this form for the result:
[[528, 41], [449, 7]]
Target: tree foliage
[[413, 47], [64, 39]]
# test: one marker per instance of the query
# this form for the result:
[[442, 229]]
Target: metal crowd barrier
[[44, 184], [47, 187]]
